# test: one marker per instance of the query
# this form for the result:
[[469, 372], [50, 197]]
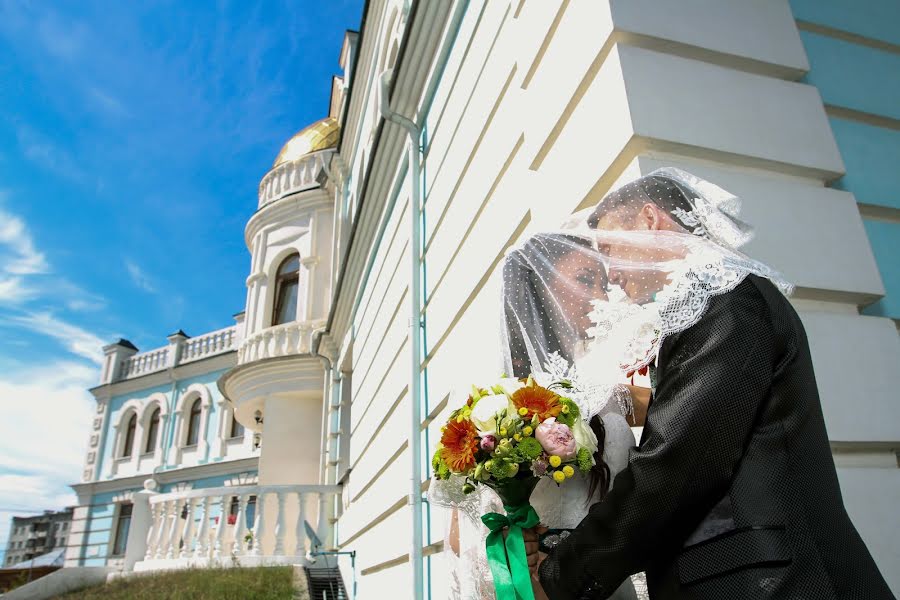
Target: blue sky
[[133, 136]]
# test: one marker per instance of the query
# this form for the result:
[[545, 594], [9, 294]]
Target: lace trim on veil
[[640, 330]]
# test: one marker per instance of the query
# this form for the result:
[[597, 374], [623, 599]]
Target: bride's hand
[[640, 399]]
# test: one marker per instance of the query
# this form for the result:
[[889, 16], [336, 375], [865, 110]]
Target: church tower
[[278, 384]]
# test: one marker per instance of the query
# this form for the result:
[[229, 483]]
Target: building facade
[[513, 114], [30, 537], [456, 129]]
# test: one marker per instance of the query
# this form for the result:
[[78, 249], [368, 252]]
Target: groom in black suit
[[732, 492]]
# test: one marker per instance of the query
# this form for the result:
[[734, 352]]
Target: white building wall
[[541, 108]]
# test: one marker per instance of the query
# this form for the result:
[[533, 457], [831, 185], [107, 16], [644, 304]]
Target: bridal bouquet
[[507, 437]]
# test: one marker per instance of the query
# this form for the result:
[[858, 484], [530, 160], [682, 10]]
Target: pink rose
[[488, 443], [556, 439]]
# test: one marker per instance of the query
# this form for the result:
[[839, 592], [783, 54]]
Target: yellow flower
[[503, 431], [523, 411], [568, 471], [517, 437], [527, 430], [559, 476], [555, 461]]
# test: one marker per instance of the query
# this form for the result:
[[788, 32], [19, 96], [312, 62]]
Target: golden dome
[[318, 136]]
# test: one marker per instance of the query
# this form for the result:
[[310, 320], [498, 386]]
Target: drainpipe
[[415, 342], [326, 402]]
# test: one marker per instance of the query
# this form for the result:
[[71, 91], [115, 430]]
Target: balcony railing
[[282, 340], [184, 350], [209, 344], [146, 362], [291, 177], [198, 529]]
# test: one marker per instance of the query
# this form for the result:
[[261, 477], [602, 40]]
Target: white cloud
[[46, 421], [19, 259], [22, 258], [76, 340], [23, 267], [139, 278], [14, 291]]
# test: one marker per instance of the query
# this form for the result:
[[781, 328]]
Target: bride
[[550, 283]]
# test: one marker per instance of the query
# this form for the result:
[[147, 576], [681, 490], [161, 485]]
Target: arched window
[[237, 430], [129, 436], [287, 283], [193, 435], [152, 431]]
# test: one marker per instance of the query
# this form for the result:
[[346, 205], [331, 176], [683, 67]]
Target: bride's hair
[[528, 312]]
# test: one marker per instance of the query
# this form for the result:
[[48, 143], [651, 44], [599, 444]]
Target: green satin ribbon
[[508, 562]]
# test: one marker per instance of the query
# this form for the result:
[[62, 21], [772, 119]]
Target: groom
[[732, 492]]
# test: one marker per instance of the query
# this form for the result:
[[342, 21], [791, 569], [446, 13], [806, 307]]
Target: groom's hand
[[532, 545]]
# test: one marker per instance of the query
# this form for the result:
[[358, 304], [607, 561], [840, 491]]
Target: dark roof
[[125, 344]]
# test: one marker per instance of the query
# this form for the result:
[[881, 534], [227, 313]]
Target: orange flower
[[460, 442], [538, 401]]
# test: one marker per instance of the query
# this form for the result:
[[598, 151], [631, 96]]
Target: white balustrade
[[259, 528], [184, 351], [291, 177], [188, 529], [209, 344], [240, 531], [203, 535], [147, 362], [281, 340], [207, 537]]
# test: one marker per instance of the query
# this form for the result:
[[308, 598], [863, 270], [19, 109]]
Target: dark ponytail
[[600, 474]]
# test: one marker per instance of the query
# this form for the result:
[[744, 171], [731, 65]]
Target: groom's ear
[[649, 217], [653, 218]]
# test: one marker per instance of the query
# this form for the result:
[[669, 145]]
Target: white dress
[[565, 506]]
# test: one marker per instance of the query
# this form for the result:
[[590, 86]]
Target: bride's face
[[580, 277]]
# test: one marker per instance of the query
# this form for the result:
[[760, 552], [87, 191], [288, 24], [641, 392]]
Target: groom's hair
[[661, 191]]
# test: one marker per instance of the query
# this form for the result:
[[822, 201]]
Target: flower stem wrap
[[508, 562]]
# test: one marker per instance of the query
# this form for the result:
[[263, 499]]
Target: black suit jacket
[[732, 493]]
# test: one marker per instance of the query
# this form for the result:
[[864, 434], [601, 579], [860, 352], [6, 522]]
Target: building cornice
[[306, 201], [223, 467], [423, 33], [218, 362]]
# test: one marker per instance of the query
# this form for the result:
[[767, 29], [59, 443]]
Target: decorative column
[[142, 525], [176, 342], [114, 355]]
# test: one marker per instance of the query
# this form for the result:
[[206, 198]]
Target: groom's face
[[635, 267]]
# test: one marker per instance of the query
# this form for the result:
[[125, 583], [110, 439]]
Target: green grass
[[262, 583]]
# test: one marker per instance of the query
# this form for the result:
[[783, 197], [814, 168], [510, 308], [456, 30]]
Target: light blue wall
[[854, 76], [167, 434], [863, 76], [872, 159], [876, 19], [885, 239]]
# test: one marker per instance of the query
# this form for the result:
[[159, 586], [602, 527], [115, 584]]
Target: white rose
[[584, 436], [484, 414]]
